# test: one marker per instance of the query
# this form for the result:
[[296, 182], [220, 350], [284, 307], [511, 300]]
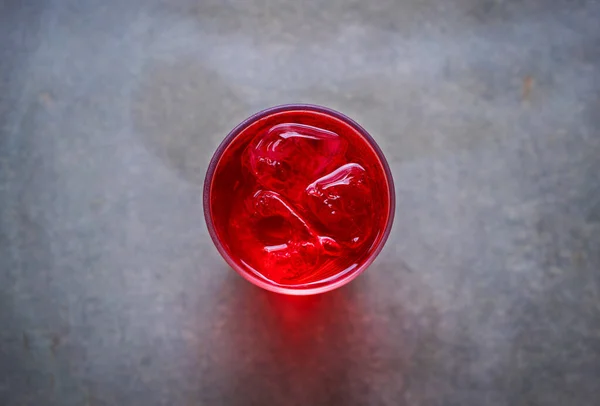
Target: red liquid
[[299, 198]]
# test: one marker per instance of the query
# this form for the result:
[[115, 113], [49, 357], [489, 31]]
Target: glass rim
[[344, 278]]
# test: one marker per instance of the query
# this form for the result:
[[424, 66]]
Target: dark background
[[487, 292]]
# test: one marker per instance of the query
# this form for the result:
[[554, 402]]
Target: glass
[[299, 199]]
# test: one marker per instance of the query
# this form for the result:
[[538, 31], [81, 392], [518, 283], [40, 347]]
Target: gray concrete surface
[[487, 292]]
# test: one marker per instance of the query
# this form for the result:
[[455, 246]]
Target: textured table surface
[[487, 292]]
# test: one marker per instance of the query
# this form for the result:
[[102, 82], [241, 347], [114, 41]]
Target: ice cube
[[287, 157], [284, 246], [342, 202]]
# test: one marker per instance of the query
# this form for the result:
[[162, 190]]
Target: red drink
[[299, 199]]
